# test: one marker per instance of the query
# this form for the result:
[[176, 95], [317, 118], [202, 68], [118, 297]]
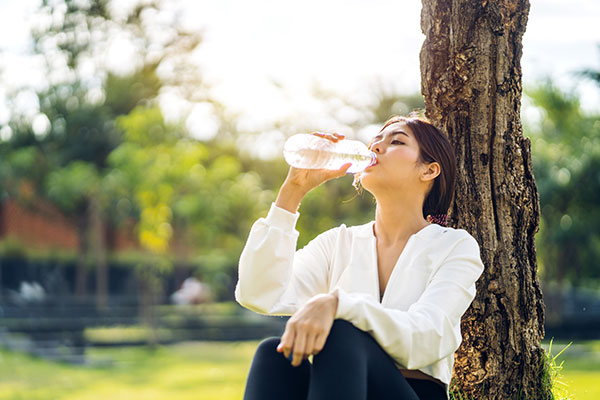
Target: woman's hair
[[433, 146]]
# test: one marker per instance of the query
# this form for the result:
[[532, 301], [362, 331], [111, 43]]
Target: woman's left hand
[[307, 330]]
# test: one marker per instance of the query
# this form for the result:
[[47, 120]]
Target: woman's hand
[[307, 330], [308, 179], [300, 181]]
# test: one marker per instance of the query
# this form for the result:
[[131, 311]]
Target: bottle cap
[[373, 159]]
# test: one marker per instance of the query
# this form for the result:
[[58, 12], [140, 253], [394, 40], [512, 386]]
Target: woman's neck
[[396, 221]]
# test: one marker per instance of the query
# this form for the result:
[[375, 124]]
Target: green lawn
[[197, 371], [186, 371], [581, 368]]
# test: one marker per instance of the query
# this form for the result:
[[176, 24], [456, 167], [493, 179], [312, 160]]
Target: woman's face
[[398, 164]]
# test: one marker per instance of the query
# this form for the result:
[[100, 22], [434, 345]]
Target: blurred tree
[[591, 73], [566, 157], [471, 81], [74, 130], [187, 187]]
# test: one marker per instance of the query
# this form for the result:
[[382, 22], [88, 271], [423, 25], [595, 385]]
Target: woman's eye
[[397, 142]]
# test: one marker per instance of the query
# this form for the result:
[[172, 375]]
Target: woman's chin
[[366, 181], [374, 183]]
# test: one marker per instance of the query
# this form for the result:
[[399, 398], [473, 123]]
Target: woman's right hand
[[300, 181]]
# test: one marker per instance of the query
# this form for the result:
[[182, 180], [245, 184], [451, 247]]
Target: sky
[[263, 57]]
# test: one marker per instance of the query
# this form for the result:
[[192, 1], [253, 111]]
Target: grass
[[552, 373], [180, 372], [203, 370], [577, 369]]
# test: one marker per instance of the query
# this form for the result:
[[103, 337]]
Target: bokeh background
[[139, 141]]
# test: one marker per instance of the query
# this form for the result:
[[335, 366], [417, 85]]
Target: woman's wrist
[[334, 302], [289, 197]]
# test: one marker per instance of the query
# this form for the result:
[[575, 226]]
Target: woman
[[378, 306]]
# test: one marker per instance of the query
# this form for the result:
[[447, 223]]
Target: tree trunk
[[150, 290], [98, 247], [471, 82], [81, 279]]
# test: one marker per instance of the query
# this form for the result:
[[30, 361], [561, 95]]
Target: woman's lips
[[372, 165]]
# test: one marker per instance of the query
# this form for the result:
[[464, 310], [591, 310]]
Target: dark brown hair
[[433, 146]]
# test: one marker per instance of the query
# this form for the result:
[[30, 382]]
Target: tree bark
[[471, 82], [98, 249]]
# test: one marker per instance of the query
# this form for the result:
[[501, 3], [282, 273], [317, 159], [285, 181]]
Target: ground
[[199, 370]]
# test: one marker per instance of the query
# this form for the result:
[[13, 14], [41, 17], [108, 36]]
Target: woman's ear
[[430, 171]]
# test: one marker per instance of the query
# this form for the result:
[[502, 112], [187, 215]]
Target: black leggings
[[351, 366]]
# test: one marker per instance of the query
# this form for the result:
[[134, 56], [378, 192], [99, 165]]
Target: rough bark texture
[[471, 81]]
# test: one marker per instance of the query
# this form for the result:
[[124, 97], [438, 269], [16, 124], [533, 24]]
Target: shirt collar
[[428, 232]]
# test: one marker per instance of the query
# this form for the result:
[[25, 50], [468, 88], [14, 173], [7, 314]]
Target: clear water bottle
[[313, 152]]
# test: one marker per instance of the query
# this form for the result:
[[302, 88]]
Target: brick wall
[[46, 227], [40, 229]]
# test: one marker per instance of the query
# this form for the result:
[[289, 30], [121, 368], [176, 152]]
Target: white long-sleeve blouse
[[417, 321]]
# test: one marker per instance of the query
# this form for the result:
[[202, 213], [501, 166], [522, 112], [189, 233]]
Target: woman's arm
[[273, 278], [299, 182], [430, 329]]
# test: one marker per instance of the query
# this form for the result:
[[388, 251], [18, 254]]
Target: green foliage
[[145, 126], [153, 165], [184, 187], [88, 113], [334, 203], [566, 165], [69, 186], [73, 20], [591, 74], [78, 130], [16, 165], [11, 247], [21, 161], [124, 93]]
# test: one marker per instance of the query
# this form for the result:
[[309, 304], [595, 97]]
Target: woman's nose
[[377, 147]]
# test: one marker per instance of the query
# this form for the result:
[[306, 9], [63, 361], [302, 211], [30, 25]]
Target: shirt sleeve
[[430, 329], [274, 278]]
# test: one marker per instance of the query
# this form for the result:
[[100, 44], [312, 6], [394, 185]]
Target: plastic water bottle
[[313, 152]]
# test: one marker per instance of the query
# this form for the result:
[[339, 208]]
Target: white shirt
[[417, 321]]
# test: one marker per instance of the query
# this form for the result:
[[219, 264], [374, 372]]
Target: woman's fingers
[[307, 330], [339, 172], [345, 167], [308, 179], [297, 345], [309, 348], [299, 348], [320, 342], [287, 342], [334, 137]]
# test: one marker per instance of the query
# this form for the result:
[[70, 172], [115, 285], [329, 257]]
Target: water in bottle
[[314, 152]]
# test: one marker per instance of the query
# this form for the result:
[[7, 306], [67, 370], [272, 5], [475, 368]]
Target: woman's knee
[[344, 330], [268, 347], [343, 337]]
